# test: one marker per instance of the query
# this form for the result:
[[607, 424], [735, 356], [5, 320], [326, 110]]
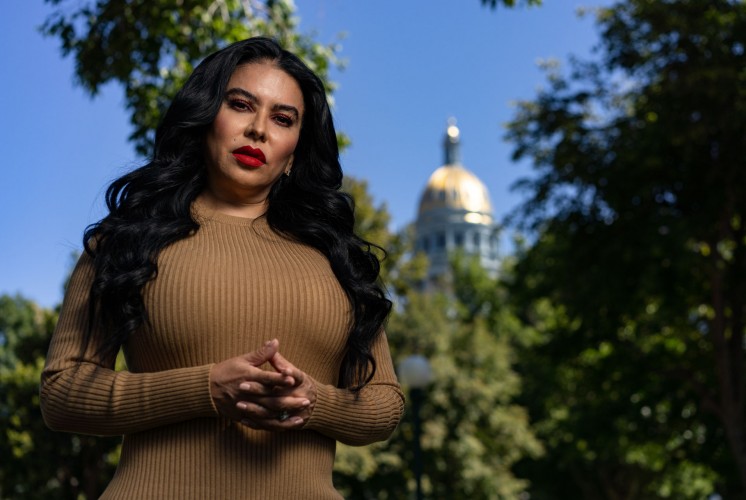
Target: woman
[[247, 309]]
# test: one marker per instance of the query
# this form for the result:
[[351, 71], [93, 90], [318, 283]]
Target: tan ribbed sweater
[[220, 293]]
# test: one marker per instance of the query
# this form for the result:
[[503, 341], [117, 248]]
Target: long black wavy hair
[[149, 208]]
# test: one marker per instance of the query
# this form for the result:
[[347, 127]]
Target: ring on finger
[[283, 416]]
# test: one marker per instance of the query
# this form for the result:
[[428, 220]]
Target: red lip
[[249, 156]]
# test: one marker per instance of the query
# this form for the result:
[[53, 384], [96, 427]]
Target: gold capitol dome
[[455, 188]]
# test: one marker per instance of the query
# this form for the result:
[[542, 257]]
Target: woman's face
[[251, 142]]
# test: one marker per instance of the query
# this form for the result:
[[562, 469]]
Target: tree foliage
[[473, 431], [36, 462], [637, 210], [150, 48]]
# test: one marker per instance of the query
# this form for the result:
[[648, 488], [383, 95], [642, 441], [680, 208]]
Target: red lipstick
[[246, 155]]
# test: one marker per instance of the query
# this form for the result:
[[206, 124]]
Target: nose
[[256, 128]]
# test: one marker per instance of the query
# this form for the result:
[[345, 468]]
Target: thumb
[[285, 367], [263, 354]]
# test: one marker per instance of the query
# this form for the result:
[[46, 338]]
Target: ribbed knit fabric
[[220, 293]]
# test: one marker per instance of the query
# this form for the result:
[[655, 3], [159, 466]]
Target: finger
[[274, 425], [290, 404], [258, 416], [272, 408], [268, 379], [255, 412], [264, 353], [257, 388], [285, 367], [250, 423]]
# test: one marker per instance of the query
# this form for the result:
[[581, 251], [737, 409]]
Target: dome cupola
[[454, 187], [455, 213]]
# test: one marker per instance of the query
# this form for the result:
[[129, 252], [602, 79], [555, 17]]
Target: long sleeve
[[86, 395], [366, 417]]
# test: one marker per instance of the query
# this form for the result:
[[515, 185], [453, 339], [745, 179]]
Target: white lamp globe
[[415, 372]]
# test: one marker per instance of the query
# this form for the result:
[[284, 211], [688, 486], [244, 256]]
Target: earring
[[287, 173]]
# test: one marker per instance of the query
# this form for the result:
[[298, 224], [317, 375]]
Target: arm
[[371, 415], [80, 392]]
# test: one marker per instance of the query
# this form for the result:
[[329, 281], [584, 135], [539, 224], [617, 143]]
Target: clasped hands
[[263, 399]]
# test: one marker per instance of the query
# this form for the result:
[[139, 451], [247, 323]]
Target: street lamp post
[[415, 372]]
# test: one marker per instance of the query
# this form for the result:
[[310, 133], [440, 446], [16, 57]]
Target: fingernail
[[305, 403], [245, 386], [267, 343], [241, 405], [296, 420]]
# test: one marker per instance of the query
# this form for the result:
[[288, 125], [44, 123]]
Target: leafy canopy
[[637, 211]]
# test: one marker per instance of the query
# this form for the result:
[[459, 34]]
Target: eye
[[240, 104], [284, 120]]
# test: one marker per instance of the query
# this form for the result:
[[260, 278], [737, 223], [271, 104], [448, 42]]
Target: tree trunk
[[728, 340]]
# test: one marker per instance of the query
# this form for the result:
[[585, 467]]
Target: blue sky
[[411, 65]]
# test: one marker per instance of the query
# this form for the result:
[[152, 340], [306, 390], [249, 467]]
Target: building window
[[425, 244], [459, 239], [440, 241], [494, 245], [477, 240]]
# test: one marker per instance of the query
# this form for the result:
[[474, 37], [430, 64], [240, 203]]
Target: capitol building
[[455, 213]]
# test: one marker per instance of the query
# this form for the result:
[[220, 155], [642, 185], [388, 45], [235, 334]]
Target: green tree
[[36, 462], [473, 432], [614, 426], [150, 48], [637, 217]]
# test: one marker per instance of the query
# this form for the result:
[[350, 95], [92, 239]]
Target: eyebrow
[[251, 97]]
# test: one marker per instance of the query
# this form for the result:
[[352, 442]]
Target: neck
[[246, 209]]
